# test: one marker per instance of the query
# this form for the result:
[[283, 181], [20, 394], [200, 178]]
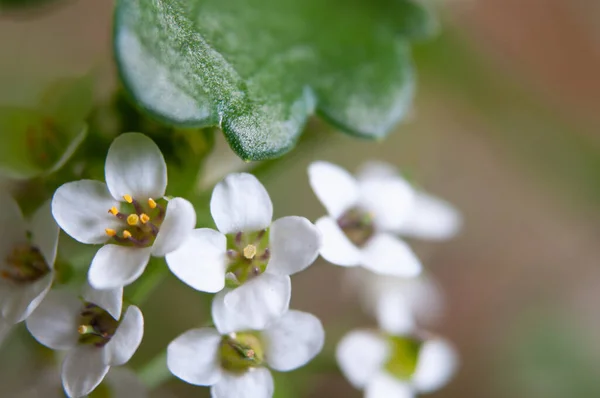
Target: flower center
[[358, 225], [404, 355], [248, 255], [141, 222], [240, 352], [25, 264], [96, 326]]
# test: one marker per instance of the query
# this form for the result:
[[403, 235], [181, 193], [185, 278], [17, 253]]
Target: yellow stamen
[[133, 219], [144, 218], [151, 203], [128, 198], [114, 211], [110, 232], [126, 234], [250, 354], [250, 252], [85, 329]]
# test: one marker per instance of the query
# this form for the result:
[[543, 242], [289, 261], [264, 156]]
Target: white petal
[[135, 166], [116, 266], [201, 260], [111, 300], [179, 222], [394, 313], [387, 255], [44, 232], [54, 323], [240, 203], [375, 169], [255, 383], [385, 385], [194, 357], [225, 319], [335, 187], [81, 209], [13, 229], [21, 300], [124, 383], [361, 355], [436, 366], [293, 340], [389, 200], [294, 243], [260, 300], [82, 370], [127, 337], [431, 218], [336, 247]]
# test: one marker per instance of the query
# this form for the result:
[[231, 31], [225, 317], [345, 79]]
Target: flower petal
[[294, 243], [431, 218], [83, 369], [260, 300], [194, 357], [390, 200], [240, 203], [225, 319], [111, 300], [14, 228], [385, 385], [81, 209], [293, 340], [201, 260], [336, 247], [375, 169], [361, 355], [54, 322], [255, 383], [126, 339], [436, 366], [394, 313], [335, 187], [116, 266], [21, 300], [135, 166], [387, 255], [123, 382], [44, 231], [180, 220]]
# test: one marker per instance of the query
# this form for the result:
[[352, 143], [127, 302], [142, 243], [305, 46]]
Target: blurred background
[[506, 126]]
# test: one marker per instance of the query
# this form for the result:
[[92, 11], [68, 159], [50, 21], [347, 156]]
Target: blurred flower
[[249, 254], [128, 212], [27, 254], [429, 217], [363, 216], [399, 366], [233, 357], [91, 332]]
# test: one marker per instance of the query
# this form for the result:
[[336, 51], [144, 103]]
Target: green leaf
[[259, 68]]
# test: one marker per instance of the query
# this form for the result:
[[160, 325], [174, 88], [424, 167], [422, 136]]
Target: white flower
[[27, 254], [363, 216], [233, 357], [128, 213], [429, 217], [395, 366], [253, 255], [92, 332]]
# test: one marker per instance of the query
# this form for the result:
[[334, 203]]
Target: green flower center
[[25, 264], [357, 225], [240, 352], [248, 255], [404, 356], [96, 326]]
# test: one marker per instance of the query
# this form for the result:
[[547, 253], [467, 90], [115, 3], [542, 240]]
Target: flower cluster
[[246, 262]]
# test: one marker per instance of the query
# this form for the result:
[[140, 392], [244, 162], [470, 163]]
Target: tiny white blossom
[[233, 358], [91, 331], [129, 213], [250, 255], [27, 254], [399, 366]]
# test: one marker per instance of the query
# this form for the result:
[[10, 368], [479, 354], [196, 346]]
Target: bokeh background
[[506, 126]]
